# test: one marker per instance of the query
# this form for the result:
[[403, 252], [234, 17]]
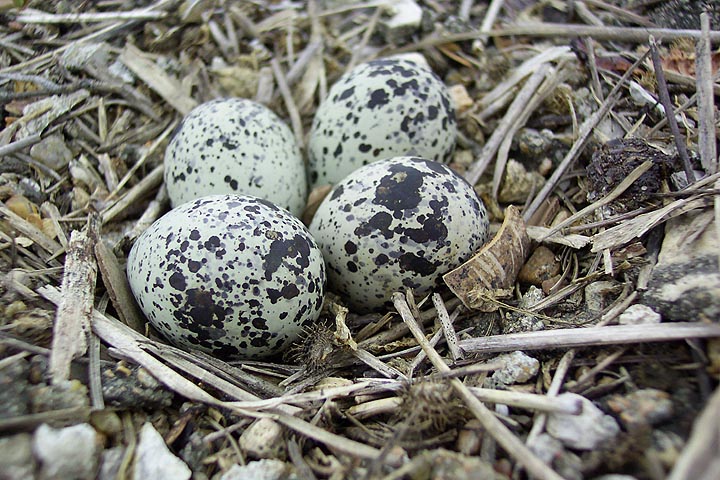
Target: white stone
[[16, 462], [70, 452], [403, 18], [518, 368], [52, 152], [547, 448], [154, 459], [585, 431], [263, 439], [259, 470], [639, 314], [110, 463]]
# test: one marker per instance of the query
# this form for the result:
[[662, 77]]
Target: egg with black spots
[[381, 109], [235, 146], [231, 275], [395, 224]]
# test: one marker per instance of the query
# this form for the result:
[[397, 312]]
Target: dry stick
[[564, 365], [549, 85], [589, 375], [512, 445], [94, 376], [66, 416], [561, 30], [152, 212], [168, 87], [591, 336], [150, 181], [357, 51], [621, 13], [128, 342], [289, 102], [116, 283], [490, 16], [333, 441], [433, 341], [74, 312], [667, 104], [464, 10], [706, 129], [503, 92], [597, 87], [376, 364], [70, 18], [584, 134], [488, 152], [530, 401], [141, 161], [447, 328], [557, 382]]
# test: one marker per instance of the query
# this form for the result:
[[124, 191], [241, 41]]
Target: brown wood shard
[[494, 267]]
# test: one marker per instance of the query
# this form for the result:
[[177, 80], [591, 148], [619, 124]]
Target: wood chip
[[149, 72], [495, 266], [118, 289], [74, 312]]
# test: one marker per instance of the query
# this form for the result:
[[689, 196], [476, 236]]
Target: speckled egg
[[231, 275], [397, 223], [380, 109], [235, 145]]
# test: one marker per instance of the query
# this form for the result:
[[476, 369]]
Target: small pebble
[[259, 470], [551, 451], [66, 394], [14, 389], [110, 462], [542, 265], [648, 406], [405, 17], [639, 314], [154, 460], [70, 452], [133, 388], [516, 322], [52, 152], [460, 96], [599, 295], [519, 368], [470, 437], [587, 431], [263, 439], [16, 460]]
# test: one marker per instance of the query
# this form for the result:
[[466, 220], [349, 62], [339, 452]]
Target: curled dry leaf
[[494, 268]]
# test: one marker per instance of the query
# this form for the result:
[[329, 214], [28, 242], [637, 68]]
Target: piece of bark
[[74, 312], [494, 267], [167, 87], [118, 288]]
